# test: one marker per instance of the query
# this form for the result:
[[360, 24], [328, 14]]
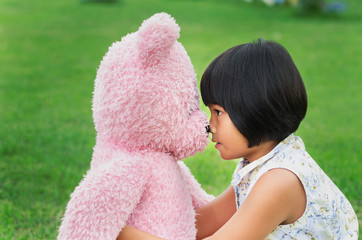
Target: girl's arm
[[215, 214], [277, 198]]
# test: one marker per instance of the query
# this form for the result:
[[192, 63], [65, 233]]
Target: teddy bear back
[[145, 94]]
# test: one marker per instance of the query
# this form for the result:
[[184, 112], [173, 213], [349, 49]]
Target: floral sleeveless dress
[[328, 214]]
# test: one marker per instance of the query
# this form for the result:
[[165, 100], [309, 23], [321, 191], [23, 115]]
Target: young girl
[[257, 100]]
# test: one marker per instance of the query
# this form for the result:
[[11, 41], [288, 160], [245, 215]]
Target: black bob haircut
[[260, 88]]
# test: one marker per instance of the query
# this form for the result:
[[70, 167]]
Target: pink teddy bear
[[147, 116]]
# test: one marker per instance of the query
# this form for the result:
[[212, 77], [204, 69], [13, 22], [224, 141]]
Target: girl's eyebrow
[[219, 108]]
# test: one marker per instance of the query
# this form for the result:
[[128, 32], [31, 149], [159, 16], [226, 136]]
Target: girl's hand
[[130, 233]]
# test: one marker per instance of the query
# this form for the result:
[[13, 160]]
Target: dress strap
[[249, 167], [246, 167]]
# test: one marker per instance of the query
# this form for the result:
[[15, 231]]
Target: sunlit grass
[[49, 53]]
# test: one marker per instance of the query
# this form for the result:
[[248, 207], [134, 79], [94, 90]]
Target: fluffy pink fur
[[147, 116]]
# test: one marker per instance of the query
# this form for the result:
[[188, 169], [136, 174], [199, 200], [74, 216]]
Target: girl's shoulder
[[327, 209]]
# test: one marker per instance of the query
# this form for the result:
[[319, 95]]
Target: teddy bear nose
[[207, 129]]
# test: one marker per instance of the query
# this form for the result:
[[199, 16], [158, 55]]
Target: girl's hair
[[260, 88]]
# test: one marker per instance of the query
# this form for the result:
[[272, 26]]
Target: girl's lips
[[217, 144]]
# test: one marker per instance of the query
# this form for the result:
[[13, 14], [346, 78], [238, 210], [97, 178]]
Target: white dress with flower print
[[328, 214]]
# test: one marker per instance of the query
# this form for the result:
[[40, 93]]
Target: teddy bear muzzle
[[207, 129]]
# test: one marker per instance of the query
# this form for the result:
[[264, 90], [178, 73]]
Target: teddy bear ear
[[155, 37]]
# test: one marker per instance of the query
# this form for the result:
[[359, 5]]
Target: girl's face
[[229, 141]]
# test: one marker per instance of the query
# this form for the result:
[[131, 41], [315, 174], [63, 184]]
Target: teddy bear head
[[146, 95]]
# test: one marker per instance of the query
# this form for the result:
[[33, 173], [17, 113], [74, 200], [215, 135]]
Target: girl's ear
[[155, 37]]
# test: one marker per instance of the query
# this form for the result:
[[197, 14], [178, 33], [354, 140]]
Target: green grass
[[49, 53]]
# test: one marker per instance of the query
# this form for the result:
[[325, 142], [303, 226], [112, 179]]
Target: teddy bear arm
[[102, 203], [199, 196]]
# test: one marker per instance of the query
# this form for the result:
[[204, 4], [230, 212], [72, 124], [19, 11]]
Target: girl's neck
[[261, 150]]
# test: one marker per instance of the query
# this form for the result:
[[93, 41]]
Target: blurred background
[[49, 54]]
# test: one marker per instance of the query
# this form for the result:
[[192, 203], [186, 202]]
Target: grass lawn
[[49, 53]]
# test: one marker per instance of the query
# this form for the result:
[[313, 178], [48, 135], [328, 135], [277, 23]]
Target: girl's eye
[[218, 113]]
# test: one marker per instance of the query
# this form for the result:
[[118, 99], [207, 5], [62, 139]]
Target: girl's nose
[[211, 126], [211, 129]]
